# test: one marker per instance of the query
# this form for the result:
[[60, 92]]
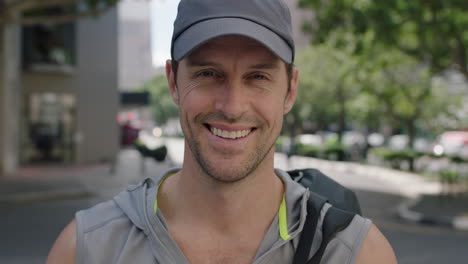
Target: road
[[413, 243]]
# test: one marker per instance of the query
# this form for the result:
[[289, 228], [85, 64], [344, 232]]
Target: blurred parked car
[[401, 142], [375, 139], [350, 139], [398, 142], [354, 139], [422, 145], [309, 139], [453, 143]]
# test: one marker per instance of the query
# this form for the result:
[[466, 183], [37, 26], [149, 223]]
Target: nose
[[232, 99]]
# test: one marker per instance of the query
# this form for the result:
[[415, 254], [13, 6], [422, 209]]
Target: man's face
[[232, 94]]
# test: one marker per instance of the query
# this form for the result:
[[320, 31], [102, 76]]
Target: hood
[[133, 202]]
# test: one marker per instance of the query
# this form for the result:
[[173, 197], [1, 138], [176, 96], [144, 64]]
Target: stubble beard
[[235, 173]]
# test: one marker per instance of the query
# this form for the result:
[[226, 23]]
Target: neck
[[247, 205]]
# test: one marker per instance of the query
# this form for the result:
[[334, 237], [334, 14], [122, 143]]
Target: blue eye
[[259, 77], [206, 74]]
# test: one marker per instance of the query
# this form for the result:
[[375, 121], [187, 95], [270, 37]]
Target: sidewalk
[[42, 183], [441, 209]]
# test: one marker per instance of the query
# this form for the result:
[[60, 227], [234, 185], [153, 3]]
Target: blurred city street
[[380, 107], [32, 220]]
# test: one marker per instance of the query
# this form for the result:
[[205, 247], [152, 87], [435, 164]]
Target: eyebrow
[[265, 66], [200, 63]]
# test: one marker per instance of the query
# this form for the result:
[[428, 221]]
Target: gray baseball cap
[[266, 21]]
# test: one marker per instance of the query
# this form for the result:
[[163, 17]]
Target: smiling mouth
[[229, 134]]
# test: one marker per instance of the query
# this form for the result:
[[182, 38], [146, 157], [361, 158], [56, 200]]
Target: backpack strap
[[314, 206], [335, 221], [319, 183]]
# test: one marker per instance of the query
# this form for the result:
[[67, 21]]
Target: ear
[[292, 94], [172, 82]]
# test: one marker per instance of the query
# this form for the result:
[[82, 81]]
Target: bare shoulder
[[376, 249], [63, 250]]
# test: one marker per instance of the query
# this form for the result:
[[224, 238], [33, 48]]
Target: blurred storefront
[[59, 86], [50, 124], [70, 96]]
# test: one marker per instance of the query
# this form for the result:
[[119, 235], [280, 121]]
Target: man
[[232, 77]]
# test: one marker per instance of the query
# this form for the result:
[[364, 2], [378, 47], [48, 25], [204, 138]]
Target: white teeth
[[230, 134]]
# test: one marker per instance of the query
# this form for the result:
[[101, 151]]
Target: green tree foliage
[[325, 88], [364, 112], [162, 104], [404, 90], [387, 86], [435, 32], [450, 109]]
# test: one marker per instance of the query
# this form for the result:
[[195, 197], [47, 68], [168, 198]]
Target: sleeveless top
[[130, 229]]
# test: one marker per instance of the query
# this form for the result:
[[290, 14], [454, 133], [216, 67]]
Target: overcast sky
[[163, 15]]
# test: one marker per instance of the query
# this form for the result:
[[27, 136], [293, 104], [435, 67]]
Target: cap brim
[[200, 33]]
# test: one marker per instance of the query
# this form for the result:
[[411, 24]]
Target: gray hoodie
[[128, 229]]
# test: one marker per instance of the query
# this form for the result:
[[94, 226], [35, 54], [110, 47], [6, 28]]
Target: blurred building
[[135, 66], [59, 86], [298, 17], [135, 54]]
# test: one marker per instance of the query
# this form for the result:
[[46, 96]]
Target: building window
[[49, 46]]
